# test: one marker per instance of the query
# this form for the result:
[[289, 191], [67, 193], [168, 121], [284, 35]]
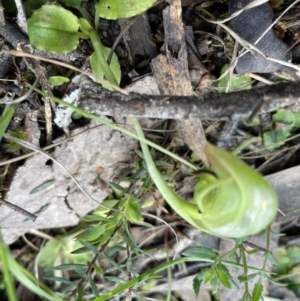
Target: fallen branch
[[213, 106]]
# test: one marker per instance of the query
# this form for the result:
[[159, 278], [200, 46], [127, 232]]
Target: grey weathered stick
[[213, 106], [19, 209]]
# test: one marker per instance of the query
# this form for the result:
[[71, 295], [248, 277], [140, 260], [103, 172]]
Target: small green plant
[[283, 122], [13, 147]]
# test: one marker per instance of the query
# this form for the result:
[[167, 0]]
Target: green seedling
[[48, 31]]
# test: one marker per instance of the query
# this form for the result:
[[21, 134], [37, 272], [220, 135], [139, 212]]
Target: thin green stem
[[245, 144], [268, 233], [8, 279], [245, 273]]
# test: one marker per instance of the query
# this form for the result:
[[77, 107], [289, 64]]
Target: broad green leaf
[[200, 252], [54, 29], [257, 291], [58, 80], [117, 9]]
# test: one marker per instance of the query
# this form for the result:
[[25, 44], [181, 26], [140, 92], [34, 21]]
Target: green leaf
[[133, 212], [54, 29], [42, 186], [93, 233], [93, 286], [247, 278], [271, 258], [257, 291], [233, 257], [237, 80], [223, 277], [6, 118], [72, 3], [49, 253], [58, 80], [89, 246], [223, 268], [100, 69], [214, 282], [98, 270], [115, 279], [62, 280], [284, 116], [196, 286], [129, 264], [276, 282], [93, 218], [275, 139], [116, 9], [205, 275], [200, 252], [113, 263], [115, 249], [69, 266], [8, 280]]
